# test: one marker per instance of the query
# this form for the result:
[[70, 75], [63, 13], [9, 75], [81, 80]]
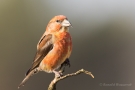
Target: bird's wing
[[44, 46]]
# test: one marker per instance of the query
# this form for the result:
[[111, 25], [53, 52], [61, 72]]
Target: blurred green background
[[103, 36]]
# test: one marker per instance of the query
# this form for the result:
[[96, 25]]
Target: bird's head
[[58, 23]]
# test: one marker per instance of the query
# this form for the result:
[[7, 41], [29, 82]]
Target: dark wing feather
[[44, 46]]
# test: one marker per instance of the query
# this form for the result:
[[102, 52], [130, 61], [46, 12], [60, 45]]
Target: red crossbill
[[53, 49]]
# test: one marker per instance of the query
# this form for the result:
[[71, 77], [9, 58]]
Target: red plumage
[[53, 49]]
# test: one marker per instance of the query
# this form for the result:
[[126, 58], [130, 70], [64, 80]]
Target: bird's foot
[[57, 74]]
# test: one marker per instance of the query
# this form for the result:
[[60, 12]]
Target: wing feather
[[44, 46]]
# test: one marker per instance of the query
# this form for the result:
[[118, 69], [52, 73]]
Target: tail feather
[[27, 77]]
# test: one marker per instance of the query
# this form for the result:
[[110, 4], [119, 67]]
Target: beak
[[66, 23]]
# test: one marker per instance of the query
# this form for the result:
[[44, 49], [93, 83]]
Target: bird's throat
[[64, 29]]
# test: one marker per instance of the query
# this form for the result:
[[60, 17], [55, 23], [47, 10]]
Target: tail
[[28, 75]]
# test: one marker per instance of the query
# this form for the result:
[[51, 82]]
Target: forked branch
[[53, 83]]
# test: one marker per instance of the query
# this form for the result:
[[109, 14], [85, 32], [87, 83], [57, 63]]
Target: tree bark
[[53, 83]]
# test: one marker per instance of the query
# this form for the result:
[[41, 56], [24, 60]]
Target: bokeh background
[[103, 36]]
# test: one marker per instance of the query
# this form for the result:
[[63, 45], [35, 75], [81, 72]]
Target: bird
[[53, 49]]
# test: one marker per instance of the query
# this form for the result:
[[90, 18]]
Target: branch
[[53, 83]]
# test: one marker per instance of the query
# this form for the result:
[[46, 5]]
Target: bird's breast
[[61, 50]]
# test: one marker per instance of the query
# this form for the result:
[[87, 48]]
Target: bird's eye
[[57, 20]]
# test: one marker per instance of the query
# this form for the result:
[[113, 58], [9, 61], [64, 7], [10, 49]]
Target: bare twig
[[53, 83]]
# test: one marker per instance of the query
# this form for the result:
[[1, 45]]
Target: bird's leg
[[57, 74], [62, 69]]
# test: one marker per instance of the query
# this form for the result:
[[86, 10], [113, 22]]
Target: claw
[[57, 74]]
